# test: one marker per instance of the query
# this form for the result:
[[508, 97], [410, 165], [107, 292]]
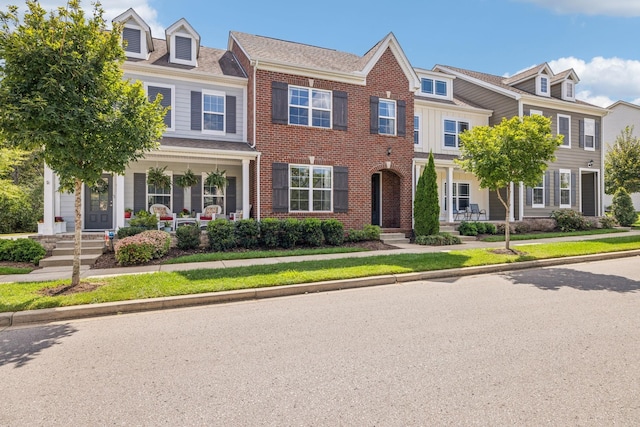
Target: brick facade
[[356, 148]]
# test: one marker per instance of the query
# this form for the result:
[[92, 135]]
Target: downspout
[[254, 64], [258, 187], [413, 192]]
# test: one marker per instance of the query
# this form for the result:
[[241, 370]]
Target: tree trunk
[[75, 275], [507, 207]]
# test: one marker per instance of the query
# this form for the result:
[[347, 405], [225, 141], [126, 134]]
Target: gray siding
[[528, 86], [501, 105], [182, 107]]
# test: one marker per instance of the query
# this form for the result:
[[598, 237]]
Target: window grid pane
[[310, 188], [441, 88]]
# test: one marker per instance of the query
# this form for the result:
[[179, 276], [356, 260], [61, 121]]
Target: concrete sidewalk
[[102, 309]]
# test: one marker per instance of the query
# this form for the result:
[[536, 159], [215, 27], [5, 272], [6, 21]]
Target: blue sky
[[599, 39]]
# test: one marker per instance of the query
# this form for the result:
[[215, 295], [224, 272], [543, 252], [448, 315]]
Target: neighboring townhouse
[[439, 118], [206, 90], [334, 130], [575, 179], [621, 114]]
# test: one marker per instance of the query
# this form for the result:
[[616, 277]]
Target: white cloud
[[625, 8], [112, 8], [603, 80]]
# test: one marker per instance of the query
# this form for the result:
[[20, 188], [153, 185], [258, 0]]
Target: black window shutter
[[373, 121], [556, 183], [196, 196], [547, 188], [581, 141], [231, 114], [279, 103], [340, 102], [340, 189], [280, 184], [183, 48], [139, 192], [178, 195], [196, 110], [231, 195], [573, 189], [132, 37], [529, 197], [152, 93], [597, 135], [402, 118]]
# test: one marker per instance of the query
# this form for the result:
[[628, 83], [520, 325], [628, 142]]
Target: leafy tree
[[622, 163], [425, 206], [515, 150], [20, 190], [63, 90], [622, 207]]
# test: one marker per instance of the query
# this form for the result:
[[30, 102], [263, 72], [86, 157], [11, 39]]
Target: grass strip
[[535, 236], [26, 296], [15, 270], [225, 256]]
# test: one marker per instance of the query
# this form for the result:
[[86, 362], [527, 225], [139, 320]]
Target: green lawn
[[534, 236], [14, 270], [26, 296], [222, 256]]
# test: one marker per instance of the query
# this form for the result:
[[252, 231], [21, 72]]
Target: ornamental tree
[[426, 209], [622, 163], [62, 90], [515, 150]]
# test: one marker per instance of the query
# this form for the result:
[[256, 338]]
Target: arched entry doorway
[[385, 199]]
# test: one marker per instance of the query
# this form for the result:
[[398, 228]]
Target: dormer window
[[132, 40], [568, 91], [183, 43], [136, 35], [542, 85], [433, 87], [183, 48]]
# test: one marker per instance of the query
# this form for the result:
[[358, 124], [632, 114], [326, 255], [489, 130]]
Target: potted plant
[[185, 213], [128, 212], [188, 179], [157, 177], [167, 226], [216, 179]]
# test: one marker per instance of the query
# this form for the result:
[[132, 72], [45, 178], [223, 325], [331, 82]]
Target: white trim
[[565, 89], [379, 198], [434, 80], [310, 188], [419, 117], [535, 112], [567, 140], [172, 51], [394, 117], [589, 130], [533, 196], [539, 91], [560, 204], [457, 121], [310, 108], [598, 189], [172, 110], [144, 49], [224, 113]]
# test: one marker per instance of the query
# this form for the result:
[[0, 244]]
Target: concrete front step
[[66, 244], [391, 238], [67, 260], [84, 251], [62, 254]]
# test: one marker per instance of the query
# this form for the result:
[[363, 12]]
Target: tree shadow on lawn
[[553, 279], [19, 346]]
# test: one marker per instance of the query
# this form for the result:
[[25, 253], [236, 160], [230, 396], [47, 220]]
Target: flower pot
[[127, 214]]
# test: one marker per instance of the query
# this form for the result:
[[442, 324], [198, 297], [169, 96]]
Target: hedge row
[[21, 250]]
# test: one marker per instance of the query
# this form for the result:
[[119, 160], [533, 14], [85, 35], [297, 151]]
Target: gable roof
[[308, 60], [528, 74], [131, 15]]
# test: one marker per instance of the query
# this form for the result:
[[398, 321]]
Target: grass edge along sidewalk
[[29, 296]]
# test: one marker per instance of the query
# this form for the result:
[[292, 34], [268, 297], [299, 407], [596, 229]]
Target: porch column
[[449, 194], [118, 209], [511, 206], [521, 202], [245, 188], [416, 177], [49, 198]]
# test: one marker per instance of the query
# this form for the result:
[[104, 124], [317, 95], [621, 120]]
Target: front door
[[589, 194], [98, 205], [375, 199]]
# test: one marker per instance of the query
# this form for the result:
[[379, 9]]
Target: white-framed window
[[309, 107], [568, 90], [387, 117], [564, 128], [134, 43], [212, 195], [213, 112], [461, 196], [565, 188], [167, 92], [535, 112], [156, 195], [542, 85], [416, 130], [433, 87], [310, 188], [183, 49], [452, 130], [589, 134], [538, 194]]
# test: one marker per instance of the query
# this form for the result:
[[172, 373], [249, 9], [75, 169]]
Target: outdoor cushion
[[206, 218], [166, 218]]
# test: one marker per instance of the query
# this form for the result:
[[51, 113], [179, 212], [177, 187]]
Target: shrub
[[440, 239], [221, 235], [522, 227], [129, 231], [333, 231], [21, 250], [290, 232], [622, 208], [426, 205], [490, 228], [145, 220], [311, 229], [134, 250], [569, 220], [468, 228], [161, 241], [501, 227], [188, 236], [371, 232], [247, 233], [607, 221], [270, 230]]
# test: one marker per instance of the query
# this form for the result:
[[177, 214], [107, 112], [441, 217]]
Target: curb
[[26, 317]]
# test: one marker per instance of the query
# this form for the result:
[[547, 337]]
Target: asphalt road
[[556, 346]]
